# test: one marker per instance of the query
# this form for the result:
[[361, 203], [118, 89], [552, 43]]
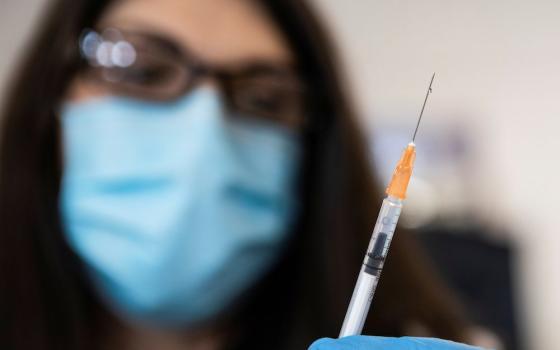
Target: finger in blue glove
[[362, 342]]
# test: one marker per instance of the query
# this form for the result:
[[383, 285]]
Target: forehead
[[219, 31]]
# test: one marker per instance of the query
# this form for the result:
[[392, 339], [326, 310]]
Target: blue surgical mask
[[175, 209]]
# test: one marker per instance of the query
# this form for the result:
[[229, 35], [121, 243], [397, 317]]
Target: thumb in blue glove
[[361, 342]]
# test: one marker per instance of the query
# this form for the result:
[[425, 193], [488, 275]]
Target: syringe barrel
[[383, 233], [372, 266]]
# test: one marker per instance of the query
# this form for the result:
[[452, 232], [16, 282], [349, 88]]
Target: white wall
[[17, 18], [498, 73]]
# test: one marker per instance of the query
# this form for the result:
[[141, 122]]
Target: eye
[[138, 65], [148, 73], [263, 97], [273, 98], [150, 77]]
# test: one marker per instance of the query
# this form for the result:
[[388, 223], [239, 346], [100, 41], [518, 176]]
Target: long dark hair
[[45, 302]]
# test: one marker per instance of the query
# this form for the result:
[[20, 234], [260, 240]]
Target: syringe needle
[[423, 106]]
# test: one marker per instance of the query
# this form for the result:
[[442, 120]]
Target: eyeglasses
[[151, 67]]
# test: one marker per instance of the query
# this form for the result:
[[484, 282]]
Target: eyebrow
[[260, 67], [161, 41]]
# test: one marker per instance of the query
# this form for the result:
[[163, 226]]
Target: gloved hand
[[361, 342]]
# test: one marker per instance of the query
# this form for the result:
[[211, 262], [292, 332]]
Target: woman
[[187, 174]]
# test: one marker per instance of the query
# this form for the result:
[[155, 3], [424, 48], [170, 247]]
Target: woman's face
[[170, 182], [220, 33]]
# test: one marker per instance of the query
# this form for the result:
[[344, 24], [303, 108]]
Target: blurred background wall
[[490, 130], [498, 74], [17, 19]]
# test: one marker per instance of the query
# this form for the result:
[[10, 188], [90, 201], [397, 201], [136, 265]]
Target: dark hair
[[45, 302]]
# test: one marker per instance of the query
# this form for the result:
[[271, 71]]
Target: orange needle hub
[[401, 176]]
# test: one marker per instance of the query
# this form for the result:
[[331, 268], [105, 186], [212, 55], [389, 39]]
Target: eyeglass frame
[[197, 69]]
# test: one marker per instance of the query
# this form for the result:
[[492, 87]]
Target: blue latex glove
[[361, 342]]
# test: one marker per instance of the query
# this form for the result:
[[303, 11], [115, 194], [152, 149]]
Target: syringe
[[382, 235]]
